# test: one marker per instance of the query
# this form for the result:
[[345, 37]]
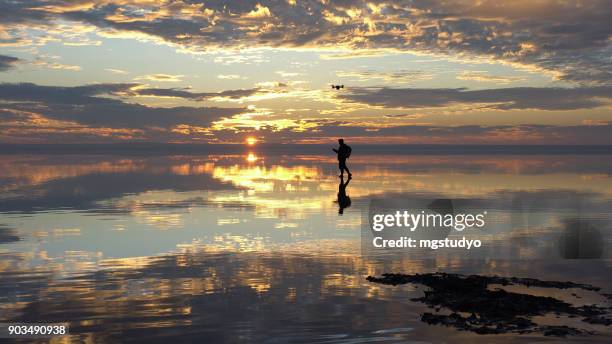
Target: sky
[[189, 71]]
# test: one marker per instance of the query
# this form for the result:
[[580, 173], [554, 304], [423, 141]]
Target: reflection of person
[[344, 201], [344, 151]]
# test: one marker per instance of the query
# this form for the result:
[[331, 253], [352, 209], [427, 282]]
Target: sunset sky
[[502, 72]]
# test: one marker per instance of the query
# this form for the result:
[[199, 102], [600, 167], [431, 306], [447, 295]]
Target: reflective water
[[252, 248]]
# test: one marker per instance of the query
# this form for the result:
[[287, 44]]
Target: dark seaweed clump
[[495, 311]]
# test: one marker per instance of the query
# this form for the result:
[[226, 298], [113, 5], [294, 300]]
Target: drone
[[337, 86]]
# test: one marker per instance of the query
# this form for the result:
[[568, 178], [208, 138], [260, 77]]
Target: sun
[[252, 157], [251, 141]]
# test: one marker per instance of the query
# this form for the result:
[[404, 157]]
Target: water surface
[[252, 248]]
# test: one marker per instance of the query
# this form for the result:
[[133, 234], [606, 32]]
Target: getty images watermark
[[517, 227], [411, 222]]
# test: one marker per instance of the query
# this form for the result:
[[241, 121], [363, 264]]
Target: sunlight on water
[[60, 205]]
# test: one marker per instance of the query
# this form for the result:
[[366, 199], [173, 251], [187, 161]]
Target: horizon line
[[162, 148]]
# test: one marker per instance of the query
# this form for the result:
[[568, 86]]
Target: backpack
[[348, 151]]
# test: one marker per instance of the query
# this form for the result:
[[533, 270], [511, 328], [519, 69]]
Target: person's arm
[[335, 150]]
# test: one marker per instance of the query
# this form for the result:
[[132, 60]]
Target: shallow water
[[252, 248]]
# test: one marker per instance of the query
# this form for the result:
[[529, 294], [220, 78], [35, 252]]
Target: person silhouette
[[344, 201], [344, 152]]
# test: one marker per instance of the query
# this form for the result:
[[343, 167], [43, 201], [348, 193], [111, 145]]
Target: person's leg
[[347, 170], [342, 167]]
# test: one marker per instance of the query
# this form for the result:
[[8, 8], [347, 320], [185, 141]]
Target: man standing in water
[[344, 151]]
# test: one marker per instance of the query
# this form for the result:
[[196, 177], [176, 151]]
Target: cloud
[[287, 74], [116, 71], [552, 98], [7, 62], [398, 77], [482, 76], [406, 116], [56, 65], [329, 131], [570, 38], [161, 77], [199, 96], [243, 58], [38, 106], [78, 95], [99, 112], [230, 77], [271, 84], [357, 54]]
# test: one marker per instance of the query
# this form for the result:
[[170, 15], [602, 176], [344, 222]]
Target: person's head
[[341, 141]]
